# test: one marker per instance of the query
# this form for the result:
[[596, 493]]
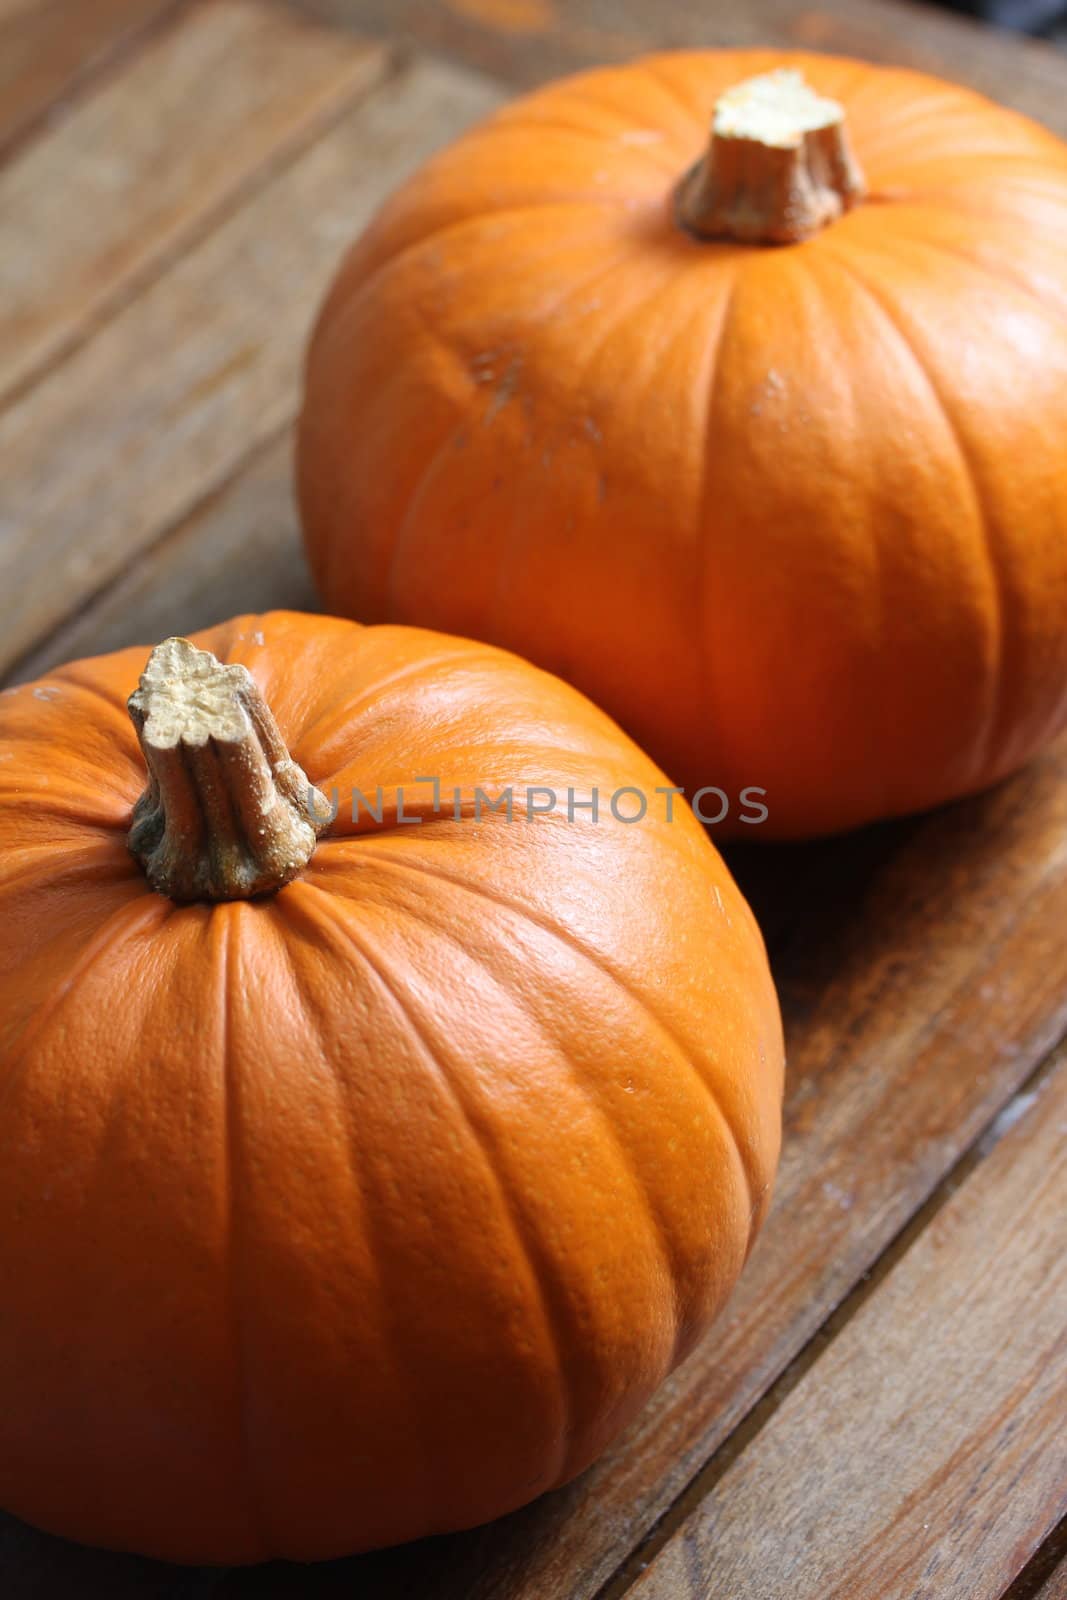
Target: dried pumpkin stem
[[778, 168], [227, 813]]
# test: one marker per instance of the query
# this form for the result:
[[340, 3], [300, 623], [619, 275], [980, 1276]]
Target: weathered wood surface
[[925, 1452], [150, 183], [152, 370], [1054, 1587], [120, 442], [239, 551], [1045, 1576], [51, 48]]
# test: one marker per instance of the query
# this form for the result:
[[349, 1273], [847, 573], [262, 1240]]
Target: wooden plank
[[164, 404], [1055, 1585], [153, 160], [48, 48], [240, 551], [1045, 1575], [925, 1452], [917, 1000], [527, 41]]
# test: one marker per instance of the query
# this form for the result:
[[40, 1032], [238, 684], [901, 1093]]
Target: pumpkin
[[367, 1155], [756, 437]]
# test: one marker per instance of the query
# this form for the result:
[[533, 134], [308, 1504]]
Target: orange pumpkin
[[759, 441], [373, 1206]]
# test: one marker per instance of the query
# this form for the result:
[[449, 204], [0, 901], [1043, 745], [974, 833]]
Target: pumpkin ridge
[[336, 322], [296, 907], [667, 1254], [66, 677], [1000, 274], [663, 285], [71, 809], [539, 1276], [139, 910], [981, 520], [579, 88], [222, 934], [652, 69], [439, 457], [703, 540], [635, 152], [445, 816], [572, 942], [421, 480], [558, 125], [1017, 176], [340, 716], [42, 862], [113, 764], [814, 266]]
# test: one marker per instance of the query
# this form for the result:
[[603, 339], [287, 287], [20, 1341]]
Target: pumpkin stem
[[227, 813], [779, 166]]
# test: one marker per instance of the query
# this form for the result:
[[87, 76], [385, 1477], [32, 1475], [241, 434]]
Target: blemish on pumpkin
[[773, 385], [507, 16], [504, 391], [641, 136], [483, 366], [43, 693]]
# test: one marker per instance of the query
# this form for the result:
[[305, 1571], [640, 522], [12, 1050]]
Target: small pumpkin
[[359, 1179], [759, 440]]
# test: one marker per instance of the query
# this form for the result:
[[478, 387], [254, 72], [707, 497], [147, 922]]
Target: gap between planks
[[236, 550], [53, 52], [924, 1453], [165, 402], [743, 1436], [157, 184], [1045, 1575]]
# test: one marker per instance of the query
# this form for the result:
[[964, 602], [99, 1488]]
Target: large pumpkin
[[762, 441], [373, 1206]]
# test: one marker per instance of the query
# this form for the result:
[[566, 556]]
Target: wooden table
[[881, 1410]]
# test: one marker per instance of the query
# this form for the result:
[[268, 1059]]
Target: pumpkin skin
[[376, 1207], [795, 515]]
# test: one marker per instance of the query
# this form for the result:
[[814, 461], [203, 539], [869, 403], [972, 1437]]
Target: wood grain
[[168, 399], [527, 41], [918, 996], [925, 1453], [48, 48], [239, 551], [152, 159], [1045, 1575]]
